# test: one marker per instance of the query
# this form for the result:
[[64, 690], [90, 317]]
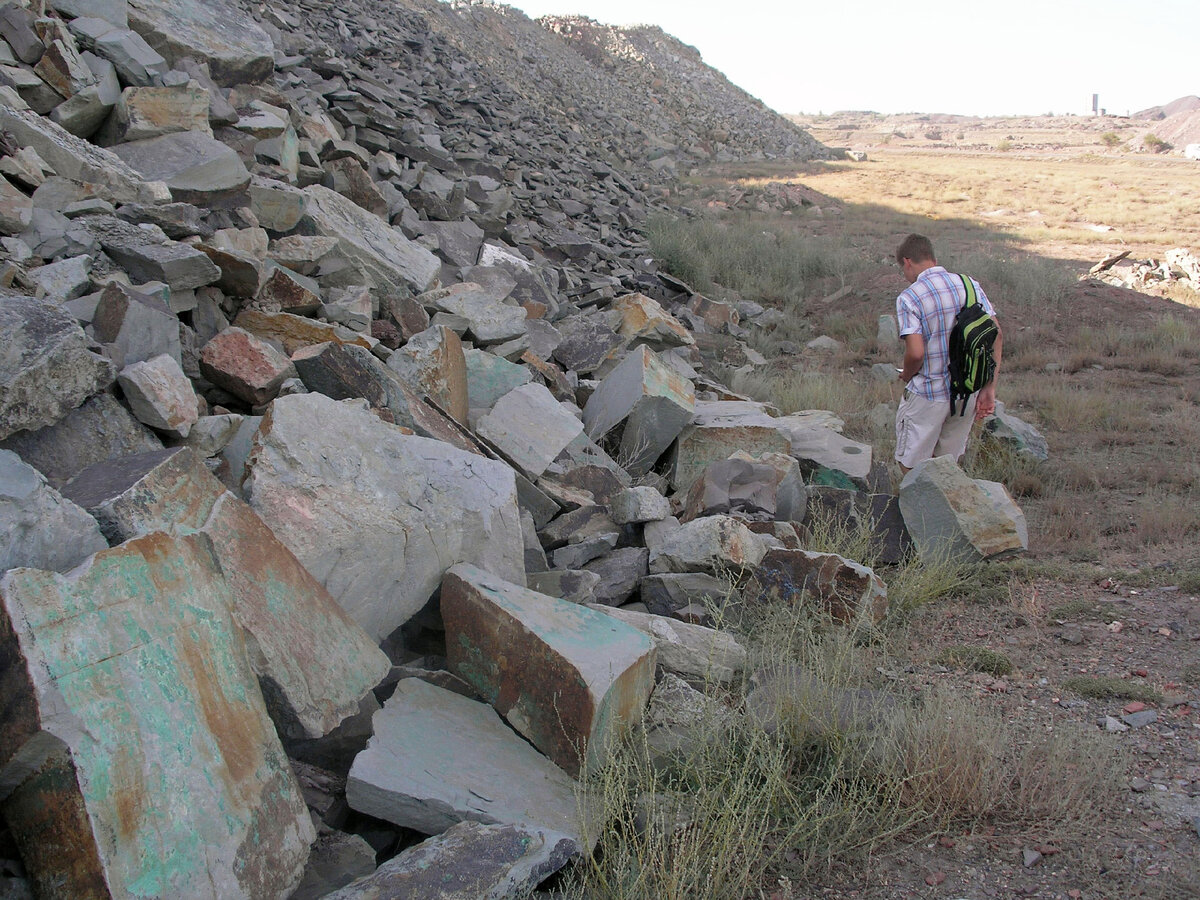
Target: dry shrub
[[1066, 526]]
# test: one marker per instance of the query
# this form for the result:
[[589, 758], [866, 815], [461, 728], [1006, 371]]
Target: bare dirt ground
[[1105, 593]]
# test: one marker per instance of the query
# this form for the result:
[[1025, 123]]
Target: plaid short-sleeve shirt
[[928, 308]]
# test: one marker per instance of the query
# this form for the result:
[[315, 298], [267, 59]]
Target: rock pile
[[1178, 266], [340, 408]]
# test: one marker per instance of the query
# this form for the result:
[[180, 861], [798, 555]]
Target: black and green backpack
[[971, 339]]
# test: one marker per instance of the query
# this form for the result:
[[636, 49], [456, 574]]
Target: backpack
[[971, 338]]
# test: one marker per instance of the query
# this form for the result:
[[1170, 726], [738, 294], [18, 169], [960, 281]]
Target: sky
[[985, 58]]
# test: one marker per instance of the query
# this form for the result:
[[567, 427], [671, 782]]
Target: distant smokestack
[[1095, 104]]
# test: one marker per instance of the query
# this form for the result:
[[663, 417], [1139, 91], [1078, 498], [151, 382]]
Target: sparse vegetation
[[1110, 139], [976, 659], [1155, 144], [1109, 687]]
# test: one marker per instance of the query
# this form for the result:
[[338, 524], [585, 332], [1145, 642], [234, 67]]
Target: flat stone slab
[[134, 740], [693, 651], [468, 861], [315, 662], [437, 758], [377, 515], [570, 679], [46, 369]]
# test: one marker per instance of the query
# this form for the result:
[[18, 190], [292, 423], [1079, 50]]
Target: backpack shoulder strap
[[969, 287]]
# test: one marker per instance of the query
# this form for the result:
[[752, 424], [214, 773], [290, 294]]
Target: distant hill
[[1183, 104]]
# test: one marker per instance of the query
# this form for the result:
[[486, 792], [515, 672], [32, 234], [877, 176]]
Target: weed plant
[[1109, 687]]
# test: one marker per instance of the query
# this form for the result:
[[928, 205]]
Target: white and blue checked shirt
[[928, 308]]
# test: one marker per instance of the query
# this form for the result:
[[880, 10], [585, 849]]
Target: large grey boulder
[[46, 368], [488, 319], [40, 528], [160, 395], [378, 515], [214, 31], [376, 254], [692, 651], [714, 545], [951, 516], [195, 166], [437, 758], [136, 752]]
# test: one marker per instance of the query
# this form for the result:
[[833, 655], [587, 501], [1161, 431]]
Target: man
[[926, 313]]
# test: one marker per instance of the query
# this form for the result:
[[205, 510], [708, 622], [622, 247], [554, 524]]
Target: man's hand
[[985, 403]]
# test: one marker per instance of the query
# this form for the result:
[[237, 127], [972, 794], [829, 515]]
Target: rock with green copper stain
[[136, 755]]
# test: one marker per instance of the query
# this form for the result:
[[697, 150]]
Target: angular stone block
[[195, 166], [377, 515], [99, 429], [46, 368], [344, 371], [639, 504], [139, 326], [377, 255], [249, 368], [644, 321], [432, 363], [437, 758], [313, 661], [654, 402], [160, 395], [490, 377], [488, 318], [136, 747], [568, 678], [666, 594], [530, 427], [693, 651], [949, 515], [847, 590], [295, 331], [214, 31], [39, 528]]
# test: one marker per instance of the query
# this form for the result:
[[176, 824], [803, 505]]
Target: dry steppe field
[[1100, 621]]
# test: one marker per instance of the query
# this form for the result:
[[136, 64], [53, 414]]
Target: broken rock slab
[[468, 861], [46, 369], [568, 678], [437, 758], [314, 662], [654, 403], [699, 445], [39, 528], [377, 515], [950, 516], [245, 366], [135, 749]]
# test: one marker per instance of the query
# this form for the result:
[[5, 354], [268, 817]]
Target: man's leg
[[956, 429], [918, 425]]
